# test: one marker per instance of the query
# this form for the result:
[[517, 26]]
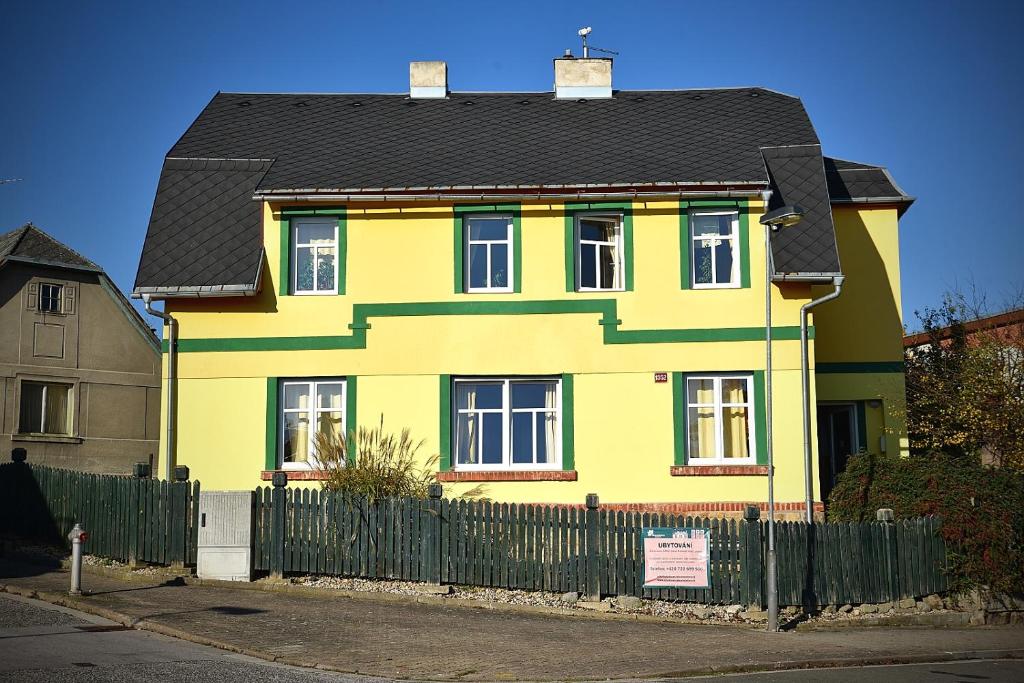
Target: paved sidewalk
[[390, 638]]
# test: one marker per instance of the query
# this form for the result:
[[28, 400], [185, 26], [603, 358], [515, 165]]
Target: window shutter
[[32, 300], [69, 300]]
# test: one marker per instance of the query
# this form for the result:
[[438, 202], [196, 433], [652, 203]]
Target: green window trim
[[463, 210], [351, 422], [573, 208], [680, 419], [270, 456], [284, 287], [445, 425], [685, 241], [862, 425], [568, 424], [606, 308]]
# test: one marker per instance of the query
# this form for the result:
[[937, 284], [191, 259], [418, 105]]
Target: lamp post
[[782, 217]]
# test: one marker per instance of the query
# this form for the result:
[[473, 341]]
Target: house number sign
[[660, 377], [677, 557]]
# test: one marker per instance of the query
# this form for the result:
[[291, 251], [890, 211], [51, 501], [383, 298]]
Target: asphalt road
[[43, 642]]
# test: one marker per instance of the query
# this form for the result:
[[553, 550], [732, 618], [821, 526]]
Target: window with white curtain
[[45, 409], [315, 256], [599, 261], [309, 407], [507, 423], [714, 239], [489, 253], [719, 420]]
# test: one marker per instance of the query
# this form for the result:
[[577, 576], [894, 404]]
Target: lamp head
[[783, 217]]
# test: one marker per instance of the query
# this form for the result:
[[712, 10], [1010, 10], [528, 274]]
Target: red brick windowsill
[[539, 475], [718, 470], [296, 475]]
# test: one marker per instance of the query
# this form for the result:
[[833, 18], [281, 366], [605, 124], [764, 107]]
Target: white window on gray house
[[489, 253], [714, 239], [510, 424], [599, 253], [51, 297], [309, 407], [720, 420], [315, 256], [45, 408]]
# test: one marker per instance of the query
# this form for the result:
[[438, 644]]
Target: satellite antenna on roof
[[583, 33]]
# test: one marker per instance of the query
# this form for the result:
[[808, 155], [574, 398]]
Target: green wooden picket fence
[[130, 519], [585, 549]]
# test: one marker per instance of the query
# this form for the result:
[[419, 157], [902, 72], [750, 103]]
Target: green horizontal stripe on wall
[[866, 367], [606, 308]]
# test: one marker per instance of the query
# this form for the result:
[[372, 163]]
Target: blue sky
[[94, 94]]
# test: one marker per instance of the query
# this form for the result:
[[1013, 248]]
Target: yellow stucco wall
[[405, 254]]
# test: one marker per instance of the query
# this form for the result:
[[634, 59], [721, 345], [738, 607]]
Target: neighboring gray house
[[79, 367]]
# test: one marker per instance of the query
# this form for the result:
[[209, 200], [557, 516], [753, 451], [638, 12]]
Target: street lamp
[[782, 217]]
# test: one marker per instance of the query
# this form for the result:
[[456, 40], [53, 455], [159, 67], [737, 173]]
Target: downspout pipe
[[172, 376], [805, 372]]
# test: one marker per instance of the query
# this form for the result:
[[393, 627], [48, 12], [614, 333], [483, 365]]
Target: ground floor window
[[719, 415], [45, 408], [507, 423], [309, 407]]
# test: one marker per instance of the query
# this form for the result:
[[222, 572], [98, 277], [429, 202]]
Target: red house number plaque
[[660, 377]]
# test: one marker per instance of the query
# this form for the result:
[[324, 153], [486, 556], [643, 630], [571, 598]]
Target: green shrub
[[982, 510]]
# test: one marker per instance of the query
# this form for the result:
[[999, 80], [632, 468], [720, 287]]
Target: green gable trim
[[461, 211], [284, 288], [568, 424], [573, 208], [679, 418], [865, 367], [270, 454], [351, 420], [445, 426], [685, 237], [606, 308], [680, 414], [760, 418]]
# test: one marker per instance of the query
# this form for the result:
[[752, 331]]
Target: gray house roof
[[854, 182], [205, 231]]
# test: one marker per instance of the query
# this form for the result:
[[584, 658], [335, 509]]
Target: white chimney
[[589, 77], [428, 79]]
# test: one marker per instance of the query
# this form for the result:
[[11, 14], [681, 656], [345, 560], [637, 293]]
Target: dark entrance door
[[837, 439]]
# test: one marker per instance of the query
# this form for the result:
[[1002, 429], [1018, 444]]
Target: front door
[[837, 439]]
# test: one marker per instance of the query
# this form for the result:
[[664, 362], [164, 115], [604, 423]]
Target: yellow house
[[561, 292]]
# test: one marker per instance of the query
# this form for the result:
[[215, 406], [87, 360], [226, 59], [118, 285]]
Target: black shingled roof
[[29, 244], [205, 229], [851, 181]]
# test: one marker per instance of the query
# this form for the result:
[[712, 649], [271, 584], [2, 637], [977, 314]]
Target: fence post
[[886, 517], [594, 550], [433, 545], [179, 516], [753, 560], [136, 506], [19, 487], [278, 501]]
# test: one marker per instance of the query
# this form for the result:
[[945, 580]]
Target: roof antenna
[[583, 33]]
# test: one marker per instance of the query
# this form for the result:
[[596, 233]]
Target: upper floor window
[[45, 408], [315, 256], [719, 415], [309, 407], [507, 423], [51, 297], [599, 253], [489, 253], [714, 239]]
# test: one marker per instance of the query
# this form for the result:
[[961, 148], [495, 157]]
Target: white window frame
[[506, 430], [60, 297], [70, 410], [718, 405], [620, 261], [312, 412], [295, 224], [468, 242], [734, 239]]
